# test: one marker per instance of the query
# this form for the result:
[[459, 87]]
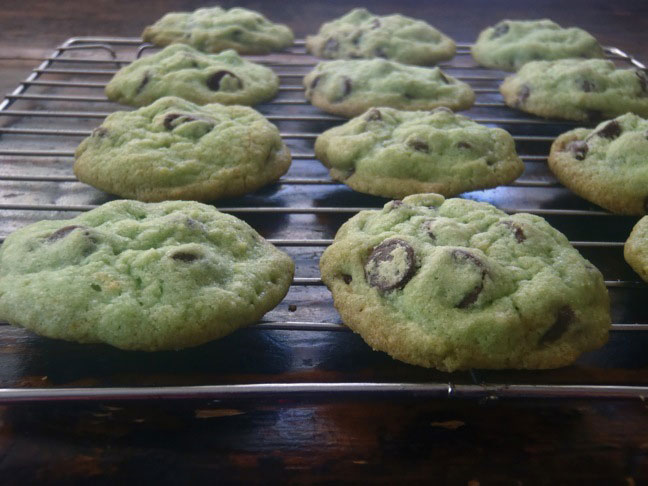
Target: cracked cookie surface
[[576, 89], [456, 284], [180, 70], [349, 88], [606, 165], [174, 149], [140, 276], [392, 153], [511, 43], [361, 34], [216, 29]]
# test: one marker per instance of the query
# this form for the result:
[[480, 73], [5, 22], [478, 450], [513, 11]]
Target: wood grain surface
[[317, 440]]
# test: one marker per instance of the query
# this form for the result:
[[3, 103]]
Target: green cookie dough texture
[[361, 34], [607, 165], [456, 284], [174, 149], [140, 276], [392, 153], [216, 29], [180, 70], [512, 43], [636, 248], [577, 89], [349, 88]]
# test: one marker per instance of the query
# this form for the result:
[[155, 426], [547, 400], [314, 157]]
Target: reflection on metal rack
[[287, 71]]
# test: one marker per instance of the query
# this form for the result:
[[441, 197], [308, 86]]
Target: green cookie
[[216, 29], [361, 34], [349, 88], [392, 153], [607, 165], [512, 43], [635, 250], [140, 276], [174, 149], [577, 89], [456, 284], [180, 70]]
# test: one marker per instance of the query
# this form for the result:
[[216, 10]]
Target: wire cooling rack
[[62, 100]]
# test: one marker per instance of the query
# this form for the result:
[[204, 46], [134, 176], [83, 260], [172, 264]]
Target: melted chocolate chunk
[[381, 258], [643, 80], [144, 82], [374, 24], [463, 256], [331, 46], [564, 318], [214, 80], [463, 144], [500, 30], [374, 115], [346, 86], [169, 119], [63, 232], [611, 130], [587, 85], [427, 227], [578, 148], [418, 145], [100, 132], [183, 256], [444, 78], [518, 232], [523, 95], [347, 278]]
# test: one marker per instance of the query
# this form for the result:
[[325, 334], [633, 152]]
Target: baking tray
[[301, 347]]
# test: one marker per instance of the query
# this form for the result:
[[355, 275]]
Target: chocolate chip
[[144, 82], [214, 80], [168, 120], [292, 308], [443, 77], [564, 318], [517, 230], [587, 86], [463, 256], [462, 144], [184, 256], [418, 144], [643, 80], [346, 87], [442, 109], [611, 130], [380, 52], [374, 24], [427, 227], [62, 232], [523, 94], [100, 132], [374, 115], [578, 148], [500, 30], [331, 46], [394, 275], [347, 278], [316, 80]]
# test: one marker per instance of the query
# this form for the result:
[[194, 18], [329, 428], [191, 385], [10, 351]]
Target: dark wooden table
[[317, 439]]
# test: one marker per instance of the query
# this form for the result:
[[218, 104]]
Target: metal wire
[[286, 70]]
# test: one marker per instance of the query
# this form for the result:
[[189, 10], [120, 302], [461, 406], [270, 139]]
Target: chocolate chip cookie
[[606, 165], [635, 249], [511, 43], [456, 284], [349, 88], [180, 70], [140, 276], [577, 89], [362, 35], [174, 149], [216, 29], [393, 153]]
